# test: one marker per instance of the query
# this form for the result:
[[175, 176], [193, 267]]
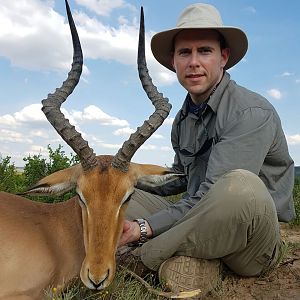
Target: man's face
[[199, 61]]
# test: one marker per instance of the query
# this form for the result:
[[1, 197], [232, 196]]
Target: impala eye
[[81, 201], [127, 199], [81, 198]]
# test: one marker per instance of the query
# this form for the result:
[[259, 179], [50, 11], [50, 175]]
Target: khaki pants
[[235, 221]]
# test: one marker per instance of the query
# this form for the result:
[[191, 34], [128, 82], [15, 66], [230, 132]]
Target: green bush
[[35, 169], [58, 160], [11, 180]]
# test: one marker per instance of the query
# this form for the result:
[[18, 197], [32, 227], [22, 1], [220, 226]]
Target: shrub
[[10, 180]]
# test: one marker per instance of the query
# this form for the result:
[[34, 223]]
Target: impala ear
[[166, 184], [158, 180], [57, 183]]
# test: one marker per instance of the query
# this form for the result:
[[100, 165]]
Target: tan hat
[[202, 16]]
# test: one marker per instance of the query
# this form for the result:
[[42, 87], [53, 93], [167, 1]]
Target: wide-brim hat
[[199, 16]]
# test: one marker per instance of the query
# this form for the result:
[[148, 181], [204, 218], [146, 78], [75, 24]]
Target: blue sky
[[109, 103]]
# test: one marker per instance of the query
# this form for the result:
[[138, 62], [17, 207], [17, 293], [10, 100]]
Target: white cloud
[[94, 113], [111, 146], [39, 133], [169, 121], [157, 136], [30, 124], [293, 139], [8, 120], [126, 131], [166, 149], [286, 74], [165, 77], [275, 93], [250, 9], [122, 20], [30, 113], [28, 28], [297, 80], [101, 7], [37, 150], [13, 136], [33, 27], [148, 147]]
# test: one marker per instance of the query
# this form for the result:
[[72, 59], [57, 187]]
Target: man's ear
[[172, 61], [225, 53]]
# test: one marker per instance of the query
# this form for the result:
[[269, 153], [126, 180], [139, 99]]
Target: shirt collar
[[213, 100]]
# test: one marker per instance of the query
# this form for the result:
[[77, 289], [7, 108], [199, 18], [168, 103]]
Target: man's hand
[[131, 232]]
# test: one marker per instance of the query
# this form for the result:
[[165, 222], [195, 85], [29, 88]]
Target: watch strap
[[143, 237]]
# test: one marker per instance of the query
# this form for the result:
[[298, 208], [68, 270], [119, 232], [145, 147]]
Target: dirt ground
[[281, 283]]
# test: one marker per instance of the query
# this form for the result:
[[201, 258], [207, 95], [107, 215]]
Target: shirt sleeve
[[243, 143]]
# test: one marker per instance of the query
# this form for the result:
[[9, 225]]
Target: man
[[230, 144]]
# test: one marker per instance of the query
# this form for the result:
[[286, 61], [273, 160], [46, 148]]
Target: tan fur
[[41, 246], [44, 245]]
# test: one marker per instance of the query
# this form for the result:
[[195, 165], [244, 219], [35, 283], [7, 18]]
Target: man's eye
[[205, 50], [183, 52]]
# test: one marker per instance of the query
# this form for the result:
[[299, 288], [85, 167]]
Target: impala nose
[[98, 284]]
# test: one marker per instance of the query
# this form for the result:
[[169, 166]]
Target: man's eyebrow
[[187, 49], [183, 48], [205, 47]]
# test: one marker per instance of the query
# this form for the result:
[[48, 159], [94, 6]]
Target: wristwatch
[[143, 238]]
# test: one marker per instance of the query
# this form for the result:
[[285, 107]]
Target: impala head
[[104, 184]]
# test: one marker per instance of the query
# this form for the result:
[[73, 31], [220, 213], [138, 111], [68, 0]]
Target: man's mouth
[[194, 76]]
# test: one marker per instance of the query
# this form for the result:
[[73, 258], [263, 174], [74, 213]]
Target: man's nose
[[194, 59]]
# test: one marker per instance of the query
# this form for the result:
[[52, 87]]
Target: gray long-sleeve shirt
[[238, 129]]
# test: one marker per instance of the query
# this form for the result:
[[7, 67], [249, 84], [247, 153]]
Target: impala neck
[[69, 229]]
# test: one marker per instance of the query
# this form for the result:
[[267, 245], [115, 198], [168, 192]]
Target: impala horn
[[161, 104], [51, 105]]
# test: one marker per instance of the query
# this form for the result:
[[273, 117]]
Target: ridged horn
[[51, 105], [161, 104]]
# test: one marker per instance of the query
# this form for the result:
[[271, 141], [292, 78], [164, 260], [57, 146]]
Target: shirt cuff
[[160, 222]]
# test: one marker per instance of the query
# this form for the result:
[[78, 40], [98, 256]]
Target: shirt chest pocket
[[195, 167], [195, 142], [186, 162], [196, 157]]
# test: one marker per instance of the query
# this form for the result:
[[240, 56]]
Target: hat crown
[[200, 15]]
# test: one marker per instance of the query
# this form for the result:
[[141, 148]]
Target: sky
[[109, 103]]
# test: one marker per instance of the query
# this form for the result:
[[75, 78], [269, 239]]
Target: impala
[[46, 245]]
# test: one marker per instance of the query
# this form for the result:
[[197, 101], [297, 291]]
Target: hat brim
[[236, 40]]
